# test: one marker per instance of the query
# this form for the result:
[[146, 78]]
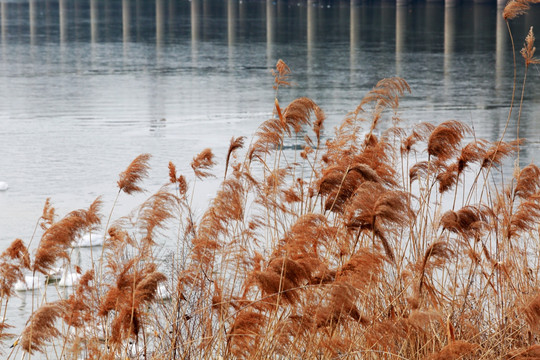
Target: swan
[[3, 186], [55, 274], [69, 278], [89, 240], [30, 283]]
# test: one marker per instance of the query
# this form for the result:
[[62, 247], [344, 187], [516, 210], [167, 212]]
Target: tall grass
[[394, 244]]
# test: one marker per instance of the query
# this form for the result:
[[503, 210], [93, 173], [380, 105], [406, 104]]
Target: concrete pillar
[[195, 18], [195, 30], [449, 44], [94, 21], [3, 20], [160, 22], [32, 20], [270, 28], [126, 20], [231, 30], [231, 21], [311, 31], [401, 27], [62, 20], [449, 30], [354, 32]]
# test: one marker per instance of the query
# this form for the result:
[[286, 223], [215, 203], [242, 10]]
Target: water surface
[[88, 85]]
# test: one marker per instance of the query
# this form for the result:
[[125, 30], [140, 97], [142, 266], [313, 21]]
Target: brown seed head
[[528, 49], [135, 172], [515, 8], [202, 163]]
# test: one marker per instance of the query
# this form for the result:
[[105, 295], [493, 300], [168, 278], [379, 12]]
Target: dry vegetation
[[372, 244]]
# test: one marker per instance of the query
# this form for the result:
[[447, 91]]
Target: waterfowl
[[69, 279], [55, 274], [30, 283], [89, 240]]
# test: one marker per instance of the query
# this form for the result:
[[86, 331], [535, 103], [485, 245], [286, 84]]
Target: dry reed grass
[[356, 248]]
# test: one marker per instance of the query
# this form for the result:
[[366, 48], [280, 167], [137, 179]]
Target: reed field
[[378, 242]]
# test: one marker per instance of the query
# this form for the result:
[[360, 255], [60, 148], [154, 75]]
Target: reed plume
[[444, 140], [532, 313], [341, 307], [467, 221], [41, 328], [292, 119], [202, 163], [298, 114], [281, 75], [386, 93], [420, 133], [135, 172], [448, 178], [134, 288], [13, 261], [458, 349], [47, 217], [172, 173], [245, 333], [58, 238], [154, 213], [227, 207], [435, 256], [528, 181], [526, 217], [498, 151], [235, 144], [309, 234], [473, 152], [515, 8], [363, 269], [17, 251], [529, 49], [79, 306], [3, 335], [421, 169], [530, 353], [376, 209], [281, 280]]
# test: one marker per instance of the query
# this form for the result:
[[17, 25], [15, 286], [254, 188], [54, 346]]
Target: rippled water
[[89, 85]]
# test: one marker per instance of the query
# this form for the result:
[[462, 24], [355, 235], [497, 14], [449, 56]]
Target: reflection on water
[[103, 64], [90, 84]]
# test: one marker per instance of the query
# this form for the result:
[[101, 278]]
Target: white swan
[[3, 186], [89, 240], [69, 279], [55, 274], [30, 283]]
